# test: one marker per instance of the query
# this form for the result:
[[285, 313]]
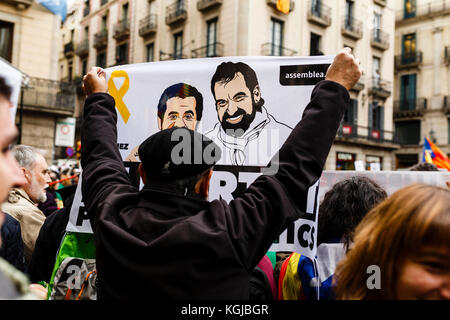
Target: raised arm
[[272, 201], [102, 164]]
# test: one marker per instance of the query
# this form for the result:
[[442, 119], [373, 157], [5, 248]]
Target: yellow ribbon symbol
[[119, 94]]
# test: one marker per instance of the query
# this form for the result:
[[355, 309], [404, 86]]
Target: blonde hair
[[395, 230]]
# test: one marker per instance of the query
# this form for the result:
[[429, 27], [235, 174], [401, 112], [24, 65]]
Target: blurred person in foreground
[[13, 283], [22, 202], [401, 249], [168, 241], [342, 208]]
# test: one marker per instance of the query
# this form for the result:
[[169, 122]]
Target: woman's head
[[410, 229]]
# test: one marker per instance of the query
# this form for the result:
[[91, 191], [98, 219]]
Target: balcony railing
[[82, 48], [413, 60], [211, 50], [432, 8], [20, 4], [273, 3], [363, 134], [148, 25], [352, 28], [380, 88], [319, 13], [203, 5], [101, 39], [379, 39], [122, 29], [410, 108], [270, 49], [50, 95], [176, 12], [68, 50]]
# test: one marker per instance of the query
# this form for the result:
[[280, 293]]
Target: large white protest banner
[[280, 88]]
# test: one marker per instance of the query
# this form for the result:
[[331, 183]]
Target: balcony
[[319, 14], [381, 3], [351, 132], [359, 85], [212, 50], [122, 30], [273, 3], [205, 5], [379, 39], [68, 50], [432, 9], [56, 97], [20, 4], [82, 48], [176, 13], [270, 49], [446, 106], [410, 108], [409, 61], [380, 88], [101, 40], [148, 25], [352, 28]]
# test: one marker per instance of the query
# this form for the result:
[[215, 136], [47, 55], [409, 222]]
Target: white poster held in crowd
[[359, 165], [65, 132], [282, 90], [13, 78]]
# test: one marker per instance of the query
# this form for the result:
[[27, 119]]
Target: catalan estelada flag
[[283, 6], [433, 153]]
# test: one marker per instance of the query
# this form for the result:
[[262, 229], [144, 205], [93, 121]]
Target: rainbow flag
[[432, 154], [283, 6]]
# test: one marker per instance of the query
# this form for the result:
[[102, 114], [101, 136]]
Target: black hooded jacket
[[160, 243]]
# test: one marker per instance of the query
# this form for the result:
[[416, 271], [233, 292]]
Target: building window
[[376, 121], [122, 54], [316, 7], [211, 37], [314, 49], [104, 23], [349, 4], [150, 52], [103, 2], [70, 70], [409, 48], [178, 46], [101, 60], [410, 9], [408, 132], [276, 27], [404, 161], [345, 161], [408, 92], [6, 40], [84, 67], [125, 12]]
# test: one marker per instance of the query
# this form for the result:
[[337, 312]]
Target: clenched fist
[[95, 81], [345, 69]]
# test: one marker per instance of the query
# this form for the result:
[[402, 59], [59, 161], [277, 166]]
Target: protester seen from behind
[[167, 240], [401, 249], [342, 208]]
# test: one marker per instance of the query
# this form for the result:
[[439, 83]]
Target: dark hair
[[344, 206], [181, 90], [226, 72], [424, 166], [5, 89]]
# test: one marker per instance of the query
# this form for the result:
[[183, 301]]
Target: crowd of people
[[167, 241]]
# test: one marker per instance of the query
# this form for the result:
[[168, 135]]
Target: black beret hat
[[177, 153]]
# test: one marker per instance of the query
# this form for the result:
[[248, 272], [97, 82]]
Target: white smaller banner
[[65, 132], [13, 78]]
